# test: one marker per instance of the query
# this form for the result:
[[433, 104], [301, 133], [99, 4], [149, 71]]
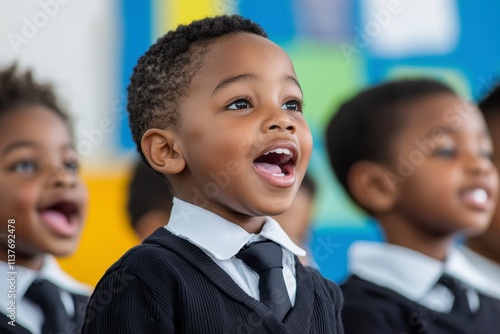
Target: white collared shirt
[[221, 240], [28, 314], [488, 272], [413, 274]]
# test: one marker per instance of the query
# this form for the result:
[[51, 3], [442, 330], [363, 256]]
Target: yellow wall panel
[[169, 14]]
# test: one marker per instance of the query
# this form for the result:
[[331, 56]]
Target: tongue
[[57, 221], [268, 168]]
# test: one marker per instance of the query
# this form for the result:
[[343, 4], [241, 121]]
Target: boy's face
[[447, 182], [39, 185], [244, 138], [491, 238]]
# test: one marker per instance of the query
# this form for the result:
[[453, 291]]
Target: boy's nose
[[280, 121], [478, 165], [61, 177]]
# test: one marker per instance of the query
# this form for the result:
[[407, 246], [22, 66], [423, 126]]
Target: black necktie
[[48, 296], [266, 259], [461, 303]]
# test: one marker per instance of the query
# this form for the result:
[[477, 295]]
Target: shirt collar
[[413, 274], [475, 270], [23, 277], [410, 273], [19, 276], [52, 272], [218, 236]]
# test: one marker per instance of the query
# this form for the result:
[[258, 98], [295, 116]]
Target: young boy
[[417, 158], [215, 108], [42, 210], [484, 250]]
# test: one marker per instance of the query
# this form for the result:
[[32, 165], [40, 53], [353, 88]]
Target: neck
[[250, 224], [253, 225], [400, 233], [477, 246]]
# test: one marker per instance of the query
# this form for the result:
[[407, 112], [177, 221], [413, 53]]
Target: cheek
[[18, 199], [84, 193], [307, 142], [494, 228], [437, 180], [305, 136]]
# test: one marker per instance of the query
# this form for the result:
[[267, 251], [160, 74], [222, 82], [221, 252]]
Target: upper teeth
[[480, 195], [280, 151]]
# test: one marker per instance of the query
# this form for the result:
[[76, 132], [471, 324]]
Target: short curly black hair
[[490, 104], [364, 126], [163, 74], [19, 89]]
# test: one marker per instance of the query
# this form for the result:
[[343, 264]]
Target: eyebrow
[[234, 79], [445, 129], [450, 130], [29, 144], [250, 77], [291, 79], [18, 144]]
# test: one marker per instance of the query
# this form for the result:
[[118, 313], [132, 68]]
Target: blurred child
[[215, 108], [42, 210], [149, 201], [296, 221], [484, 250], [418, 158]]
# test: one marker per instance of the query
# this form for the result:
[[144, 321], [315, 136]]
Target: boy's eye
[[487, 154], [445, 152], [239, 104], [294, 105], [72, 166], [25, 167]]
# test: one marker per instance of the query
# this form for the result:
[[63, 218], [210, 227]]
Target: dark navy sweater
[[373, 309], [168, 285]]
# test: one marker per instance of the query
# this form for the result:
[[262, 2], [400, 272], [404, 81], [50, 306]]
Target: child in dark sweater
[[417, 158], [43, 205], [484, 250], [216, 110]]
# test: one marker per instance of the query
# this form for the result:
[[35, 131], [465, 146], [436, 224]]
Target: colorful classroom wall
[[89, 48]]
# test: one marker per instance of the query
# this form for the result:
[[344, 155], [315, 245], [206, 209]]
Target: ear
[[369, 185], [162, 151]]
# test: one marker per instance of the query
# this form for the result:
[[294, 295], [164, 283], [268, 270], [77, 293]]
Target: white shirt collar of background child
[[28, 315], [53, 272], [400, 269], [486, 273], [410, 273], [218, 236], [50, 271]]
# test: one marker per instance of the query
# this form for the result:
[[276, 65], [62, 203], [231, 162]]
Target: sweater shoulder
[[152, 260], [324, 286], [358, 290], [320, 281]]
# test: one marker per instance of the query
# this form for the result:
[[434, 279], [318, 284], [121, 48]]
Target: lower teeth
[[281, 174]]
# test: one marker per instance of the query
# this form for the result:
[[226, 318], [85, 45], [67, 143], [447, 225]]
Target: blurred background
[[87, 49]]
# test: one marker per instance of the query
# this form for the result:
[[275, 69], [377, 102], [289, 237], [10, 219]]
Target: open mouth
[[61, 217], [476, 198], [277, 162]]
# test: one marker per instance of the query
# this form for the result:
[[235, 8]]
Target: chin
[[475, 229], [64, 249], [277, 210]]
